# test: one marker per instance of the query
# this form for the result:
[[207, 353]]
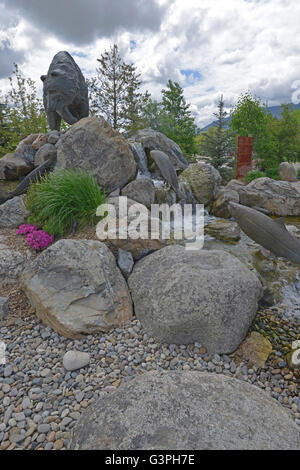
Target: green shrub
[[272, 173], [62, 198], [253, 175], [226, 173]]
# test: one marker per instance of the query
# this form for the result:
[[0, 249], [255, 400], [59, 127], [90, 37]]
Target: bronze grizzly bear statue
[[65, 91]]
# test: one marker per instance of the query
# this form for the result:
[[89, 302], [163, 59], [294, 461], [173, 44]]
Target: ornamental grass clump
[[63, 198]]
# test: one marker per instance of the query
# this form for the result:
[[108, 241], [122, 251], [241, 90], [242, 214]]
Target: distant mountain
[[274, 110]]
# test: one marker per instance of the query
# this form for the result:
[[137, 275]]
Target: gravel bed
[[40, 401]]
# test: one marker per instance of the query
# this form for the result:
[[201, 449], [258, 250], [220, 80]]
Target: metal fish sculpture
[[166, 168], [271, 234]]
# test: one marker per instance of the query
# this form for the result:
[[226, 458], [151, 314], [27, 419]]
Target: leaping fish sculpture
[[271, 234]]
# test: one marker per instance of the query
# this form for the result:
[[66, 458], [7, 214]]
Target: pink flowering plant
[[26, 228], [38, 239]]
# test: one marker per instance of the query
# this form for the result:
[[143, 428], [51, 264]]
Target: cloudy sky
[[210, 47]]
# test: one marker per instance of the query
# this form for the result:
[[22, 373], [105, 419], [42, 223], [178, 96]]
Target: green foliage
[[115, 92], [249, 118], [274, 140], [227, 174], [21, 112], [253, 175], [218, 141], [272, 173], [177, 121], [173, 118], [62, 198], [286, 135]]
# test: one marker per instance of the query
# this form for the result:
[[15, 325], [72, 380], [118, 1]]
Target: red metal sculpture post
[[243, 156]]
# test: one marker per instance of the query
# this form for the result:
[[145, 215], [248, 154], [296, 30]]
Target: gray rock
[[141, 190], [223, 230], [185, 296], [92, 145], [46, 152], [204, 181], [43, 428], [53, 137], [40, 140], [278, 197], [3, 307], [137, 246], [8, 370], [287, 172], [74, 360], [13, 166], [125, 261], [13, 213], [186, 410], [12, 263], [77, 288], [152, 140], [223, 197]]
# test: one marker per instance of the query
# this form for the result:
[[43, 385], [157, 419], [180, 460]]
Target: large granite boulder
[[287, 172], [204, 181], [185, 296], [186, 410], [278, 197], [92, 145], [12, 263], [141, 190], [13, 213], [76, 287], [13, 166], [153, 140]]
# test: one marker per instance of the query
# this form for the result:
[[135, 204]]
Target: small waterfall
[[141, 159]]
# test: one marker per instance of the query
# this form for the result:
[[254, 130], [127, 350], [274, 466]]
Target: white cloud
[[233, 45]]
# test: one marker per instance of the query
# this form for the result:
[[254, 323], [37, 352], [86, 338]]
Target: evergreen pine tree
[[114, 92], [177, 121], [218, 143]]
